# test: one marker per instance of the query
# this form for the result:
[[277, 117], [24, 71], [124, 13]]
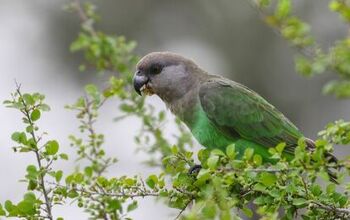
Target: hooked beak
[[140, 82]]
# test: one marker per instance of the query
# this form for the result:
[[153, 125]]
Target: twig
[[104, 193], [183, 209], [83, 16], [37, 155], [340, 212], [306, 51]]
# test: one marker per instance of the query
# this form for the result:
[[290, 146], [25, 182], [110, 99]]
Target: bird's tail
[[329, 157]]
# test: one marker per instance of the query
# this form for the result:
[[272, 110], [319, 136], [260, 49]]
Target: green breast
[[206, 133]]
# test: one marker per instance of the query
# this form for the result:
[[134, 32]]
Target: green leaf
[[248, 153], [209, 210], [231, 151], [151, 181], [63, 156], [32, 184], [213, 161], [249, 213], [26, 207], [217, 152], [316, 190], [52, 147], [280, 147], [268, 179], [88, 171], [32, 172], [257, 159], [9, 206], [203, 155], [283, 8], [35, 115], [132, 206], [58, 175], [72, 194], [79, 178], [260, 200], [2, 211], [91, 89], [28, 99], [114, 204], [330, 188], [183, 179], [129, 182], [19, 137], [299, 201], [44, 107], [29, 197], [303, 66], [334, 5], [202, 177]]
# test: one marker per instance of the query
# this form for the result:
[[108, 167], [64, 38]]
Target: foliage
[[312, 58], [226, 187]]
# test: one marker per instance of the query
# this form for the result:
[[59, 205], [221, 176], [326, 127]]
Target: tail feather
[[329, 157]]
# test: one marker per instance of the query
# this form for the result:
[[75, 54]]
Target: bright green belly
[[211, 137]]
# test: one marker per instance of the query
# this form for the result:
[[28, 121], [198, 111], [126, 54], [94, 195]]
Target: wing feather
[[238, 110]]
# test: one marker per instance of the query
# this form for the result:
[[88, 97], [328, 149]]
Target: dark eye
[[156, 69]]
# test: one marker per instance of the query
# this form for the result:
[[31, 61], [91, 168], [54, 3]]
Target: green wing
[[242, 113]]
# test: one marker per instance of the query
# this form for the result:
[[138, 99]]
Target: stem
[[83, 17], [339, 212], [37, 155]]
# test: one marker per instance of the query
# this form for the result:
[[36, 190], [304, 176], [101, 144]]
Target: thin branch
[[37, 155], [83, 16], [340, 212], [306, 51], [142, 193], [184, 208]]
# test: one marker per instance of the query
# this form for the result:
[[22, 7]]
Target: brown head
[[165, 74]]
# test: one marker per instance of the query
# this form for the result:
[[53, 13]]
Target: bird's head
[[165, 74]]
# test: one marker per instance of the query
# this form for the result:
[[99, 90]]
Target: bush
[[226, 187]]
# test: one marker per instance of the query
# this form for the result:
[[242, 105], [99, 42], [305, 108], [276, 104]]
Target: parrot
[[218, 111]]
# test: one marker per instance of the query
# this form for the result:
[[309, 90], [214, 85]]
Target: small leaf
[[2, 211], [88, 171], [247, 212], [280, 147], [28, 99], [209, 210], [268, 179], [132, 206], [35, 115], [330, 188], [299, 201], [151, 181], [9, 206], [257, 159], [52, 147], [248, 153], [72, 194], [63, 156], [231, 151], [58, 175], [213, 161], [29, 197]]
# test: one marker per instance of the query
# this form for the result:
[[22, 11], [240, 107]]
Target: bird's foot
[[194, 170]]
